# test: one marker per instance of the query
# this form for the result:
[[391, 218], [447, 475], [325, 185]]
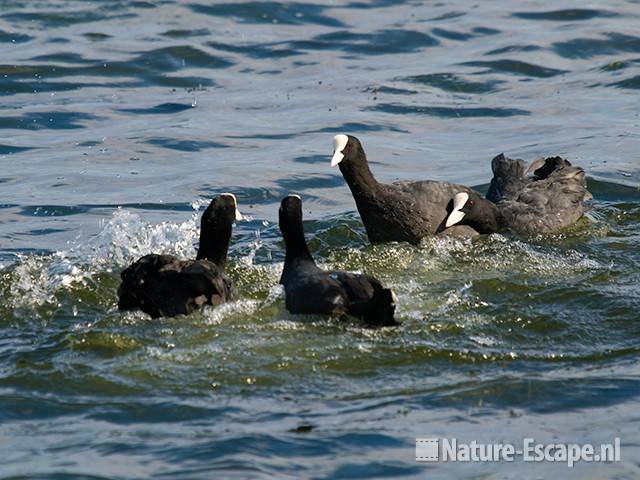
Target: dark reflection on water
[[449, 112], [120, 119], [516, 67], [568, 15]]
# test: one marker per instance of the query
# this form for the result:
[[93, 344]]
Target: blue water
[[120, 119]]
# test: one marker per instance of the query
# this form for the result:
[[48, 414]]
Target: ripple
[[451, 35], [183, 33], [265, 136], [11, 149], [8, 37], [382, 89], [97, 36], [46, 121], [448, 112], [353, 127], [377, 43], [256, 50], [41, 232], [461, 36], [161, 109], [359, 127], [9, 87], [64, 57], [448, 16], [174, 58], [293, 182], [54, 19], [516, 67], [591, 47], [453, 83], [615, 66], [375, 4], [289, 13], [150, 67], [633, 82], [322, 159], [546, 395], [513, 49], [185, 145], [51, 210], [567, 15]]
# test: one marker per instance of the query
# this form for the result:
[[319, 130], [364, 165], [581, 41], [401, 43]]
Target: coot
[[400, 211], [311, 290], [163, 285], [552, 199]]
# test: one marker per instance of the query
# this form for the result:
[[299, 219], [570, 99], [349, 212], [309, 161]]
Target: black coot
[[311, 290], [551, 199], [400, 211], [163, 285]]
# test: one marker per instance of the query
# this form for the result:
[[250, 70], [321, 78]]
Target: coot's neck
[[358, 175], [214, 242], [295, 243]]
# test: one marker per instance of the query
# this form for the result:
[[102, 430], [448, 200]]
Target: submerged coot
[[309, 289], [401, 211], [163, 285], [553, 198]]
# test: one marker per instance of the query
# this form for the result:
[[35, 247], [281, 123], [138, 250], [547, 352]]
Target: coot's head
[[222, 209], [347, 151], [215, 227], [290, 214], [290, 221], [473, 210]]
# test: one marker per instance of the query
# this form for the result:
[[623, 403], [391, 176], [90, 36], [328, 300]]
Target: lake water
[[120, 119]]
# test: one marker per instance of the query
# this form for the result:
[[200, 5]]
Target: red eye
[[471, 204]]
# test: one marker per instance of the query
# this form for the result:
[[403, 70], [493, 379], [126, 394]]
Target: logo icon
[[427, 449]]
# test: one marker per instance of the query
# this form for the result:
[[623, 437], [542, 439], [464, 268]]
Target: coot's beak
[[339, 144], [456, 214]]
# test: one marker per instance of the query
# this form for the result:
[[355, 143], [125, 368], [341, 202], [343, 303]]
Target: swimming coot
[[552, 199], [311, 290], [400, 211], [163, 285]]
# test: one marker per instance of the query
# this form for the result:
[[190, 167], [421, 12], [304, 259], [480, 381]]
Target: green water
[[535, 328]]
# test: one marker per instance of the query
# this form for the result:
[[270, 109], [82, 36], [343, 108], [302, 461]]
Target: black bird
[[163, 285], [552, 199], [400, 211], [309, 289]]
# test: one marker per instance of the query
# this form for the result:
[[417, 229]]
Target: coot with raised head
[[163, 285]]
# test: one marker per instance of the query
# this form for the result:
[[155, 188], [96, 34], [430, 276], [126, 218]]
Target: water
[[120, 119]]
